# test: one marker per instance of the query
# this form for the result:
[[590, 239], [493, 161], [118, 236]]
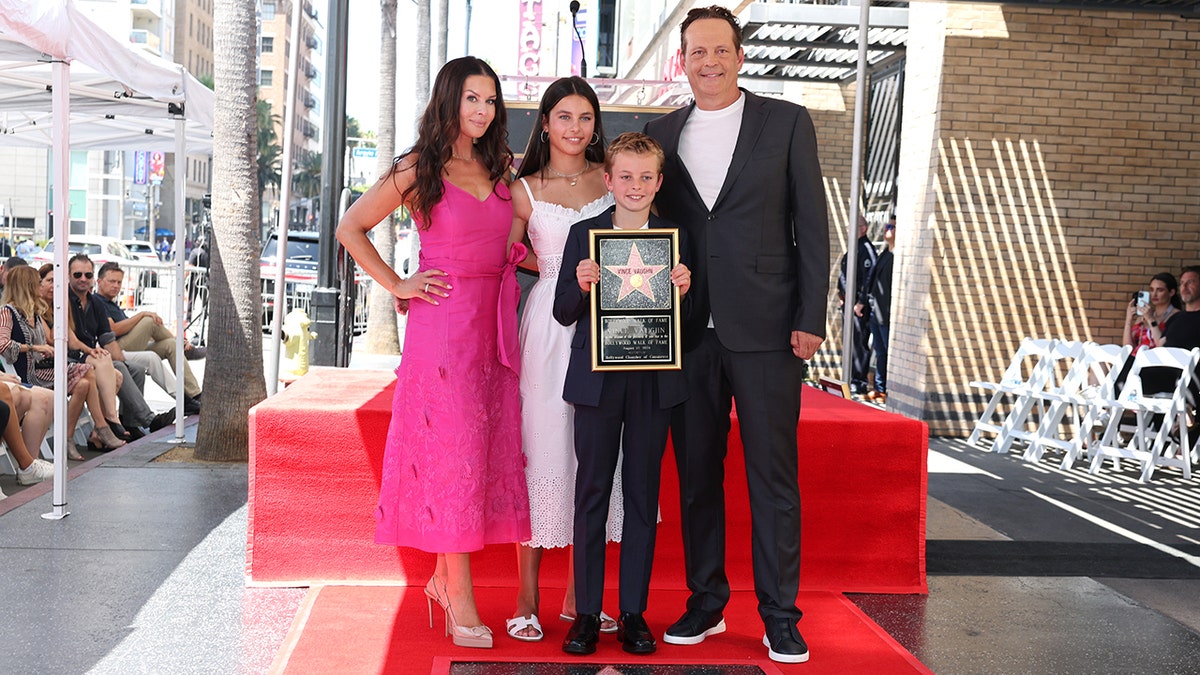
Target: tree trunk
[[234, 378], [382, 335], [423, 56], [443, 33]]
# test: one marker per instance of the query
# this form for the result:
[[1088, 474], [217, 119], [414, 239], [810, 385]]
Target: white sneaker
[[2, 495], [37, 472]]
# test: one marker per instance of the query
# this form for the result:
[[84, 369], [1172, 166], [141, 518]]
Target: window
[[268, 11], [266, 77], [268, 44]]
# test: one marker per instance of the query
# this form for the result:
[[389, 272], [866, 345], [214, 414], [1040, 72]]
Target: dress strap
[[528, 191]]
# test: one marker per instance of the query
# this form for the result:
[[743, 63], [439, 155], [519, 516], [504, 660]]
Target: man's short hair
[[1193, 269], [633, 143], [80, 257], [710, 12], [110, 266], [14, 261]]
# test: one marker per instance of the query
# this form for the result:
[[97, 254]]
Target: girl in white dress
[[561, 182]]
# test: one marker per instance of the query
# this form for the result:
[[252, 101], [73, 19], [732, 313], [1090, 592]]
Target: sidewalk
[[146, 574]]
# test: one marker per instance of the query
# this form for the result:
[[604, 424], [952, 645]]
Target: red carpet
[[385, 629], [316, 451]]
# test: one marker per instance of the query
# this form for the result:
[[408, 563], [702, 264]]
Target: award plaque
[[635, 307]]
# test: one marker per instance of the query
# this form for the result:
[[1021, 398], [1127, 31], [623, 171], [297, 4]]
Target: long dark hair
[[438, 130], [1172, 285], [537, 152]]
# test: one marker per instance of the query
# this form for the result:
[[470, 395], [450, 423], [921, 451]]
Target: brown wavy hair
[[438, 130], [48, 312]]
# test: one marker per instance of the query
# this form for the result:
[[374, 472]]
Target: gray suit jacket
[[761, 255]]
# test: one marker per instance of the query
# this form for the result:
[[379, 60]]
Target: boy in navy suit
[[616, 410]]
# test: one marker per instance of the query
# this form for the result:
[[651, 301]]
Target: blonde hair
[[21, 291], [633, 143]]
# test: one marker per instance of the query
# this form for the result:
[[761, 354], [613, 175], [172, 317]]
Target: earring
[[595, 138], [544, 136]]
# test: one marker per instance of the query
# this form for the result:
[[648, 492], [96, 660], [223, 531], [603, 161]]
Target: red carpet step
[[385, 629], [316, 450]]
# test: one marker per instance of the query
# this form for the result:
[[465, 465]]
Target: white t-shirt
[[706, 146]]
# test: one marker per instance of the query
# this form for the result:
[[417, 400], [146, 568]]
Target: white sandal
[[604, 618], [519, 623]]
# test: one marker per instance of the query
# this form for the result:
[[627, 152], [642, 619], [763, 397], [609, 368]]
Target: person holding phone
[[1148, 311]]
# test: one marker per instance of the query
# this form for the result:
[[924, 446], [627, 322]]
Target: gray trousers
[[134, 410]]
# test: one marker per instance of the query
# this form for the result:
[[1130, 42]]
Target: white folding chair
[[1166, 444], [1078, 403], [1057, 366], [1014, 383]]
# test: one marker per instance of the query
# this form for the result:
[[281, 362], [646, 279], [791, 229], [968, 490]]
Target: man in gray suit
[[742, 177]]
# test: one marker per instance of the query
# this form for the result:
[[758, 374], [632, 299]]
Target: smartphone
[[1143, 298]]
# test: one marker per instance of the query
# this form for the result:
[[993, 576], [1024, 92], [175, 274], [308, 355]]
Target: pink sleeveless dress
[[453, 471]]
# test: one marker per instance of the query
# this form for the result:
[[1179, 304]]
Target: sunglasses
[[79, 275]]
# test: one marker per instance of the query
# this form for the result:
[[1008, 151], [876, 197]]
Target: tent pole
[[861, 91], [180, 254], [61, 102]]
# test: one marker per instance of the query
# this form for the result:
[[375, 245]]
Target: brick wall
[[1050, 165]]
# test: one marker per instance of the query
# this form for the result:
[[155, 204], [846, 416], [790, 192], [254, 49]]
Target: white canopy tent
[[65, 83]]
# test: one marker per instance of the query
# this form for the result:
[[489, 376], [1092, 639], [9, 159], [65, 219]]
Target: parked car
[[300, 277], [140, 274], [142, 250], [99, 249]]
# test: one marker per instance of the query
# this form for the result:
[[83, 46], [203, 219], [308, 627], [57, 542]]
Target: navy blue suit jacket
[[572, 306]]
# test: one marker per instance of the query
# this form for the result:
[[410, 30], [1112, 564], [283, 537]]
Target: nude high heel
[[463, 636]]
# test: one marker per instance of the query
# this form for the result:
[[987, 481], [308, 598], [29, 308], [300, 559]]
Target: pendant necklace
[[572, 178]]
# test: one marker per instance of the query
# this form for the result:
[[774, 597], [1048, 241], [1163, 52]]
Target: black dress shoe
[[693, 627], [583, 635], [634, 635], [162, 419], [191, 406], [783, 641]]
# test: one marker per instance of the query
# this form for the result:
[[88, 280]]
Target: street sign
[[363, 153]]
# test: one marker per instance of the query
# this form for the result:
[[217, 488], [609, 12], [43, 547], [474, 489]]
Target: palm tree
[[422, 75], [307, 179], [444, 33], [234, 381], [382, 335], [269, 153]]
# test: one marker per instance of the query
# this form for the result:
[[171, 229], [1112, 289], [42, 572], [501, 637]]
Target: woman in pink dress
[[453, 473]]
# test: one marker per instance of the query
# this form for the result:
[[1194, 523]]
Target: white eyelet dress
[[547, 421]]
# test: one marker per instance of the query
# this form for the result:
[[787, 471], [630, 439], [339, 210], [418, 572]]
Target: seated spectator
[[11, 262], [145, 331], [35, 410], [26, 342], [1184, 329], [95, 333], [1144, 326], [29, 470]]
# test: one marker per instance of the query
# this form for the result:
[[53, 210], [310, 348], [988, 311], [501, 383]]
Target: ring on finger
[[426, 288]]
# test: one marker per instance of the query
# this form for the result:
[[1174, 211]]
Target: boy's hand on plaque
[[681, 276], [587, 272]]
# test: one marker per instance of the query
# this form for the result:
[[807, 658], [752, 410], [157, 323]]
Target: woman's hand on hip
[[428, 285]]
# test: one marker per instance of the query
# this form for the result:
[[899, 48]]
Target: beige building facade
[[1050, 165], [275, 31]]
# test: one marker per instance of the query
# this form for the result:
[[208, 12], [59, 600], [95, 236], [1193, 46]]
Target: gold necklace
[[462, 159], [572, 178]]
